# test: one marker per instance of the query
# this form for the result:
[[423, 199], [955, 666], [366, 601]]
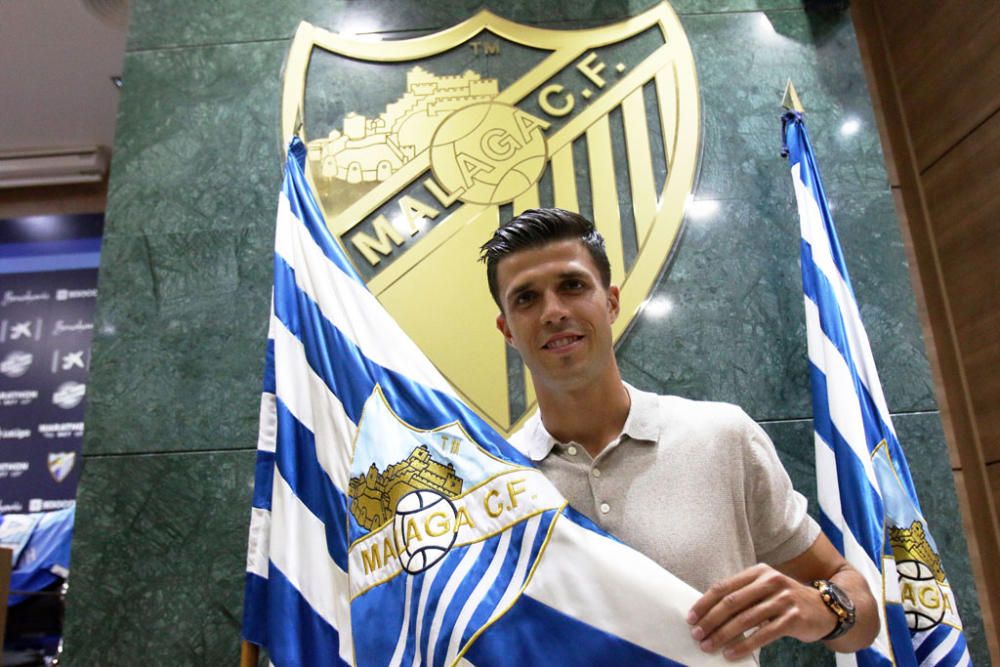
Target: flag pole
[[249, 652]]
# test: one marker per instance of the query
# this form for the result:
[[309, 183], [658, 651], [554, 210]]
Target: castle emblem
[[375, 494], [910, 544], [373, 149]]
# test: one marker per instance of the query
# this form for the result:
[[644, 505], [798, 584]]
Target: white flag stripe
[[855, 554], [268, 432], [640, 617], [827, 488], [351, 307], [301, 390], [814, 233], [487, 582], [299, 551], [513, 586], [404, 632], [846, 659], [444, 599], [941, 650], [846, 415], [259, 542], [425, 589]]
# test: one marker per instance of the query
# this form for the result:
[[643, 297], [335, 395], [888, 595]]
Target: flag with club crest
[[868, 504], [391, 525]]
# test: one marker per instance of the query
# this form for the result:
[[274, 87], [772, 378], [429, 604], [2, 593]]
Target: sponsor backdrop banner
[[48, 290]]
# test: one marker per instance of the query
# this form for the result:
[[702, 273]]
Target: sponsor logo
[[69, 394], [22, 330], [18, 397], [61, 430], [15, 433], [62, 327], [10, 508], [67, 294], [61, 464], [413, 184], [67, 361], [16, 364], [42, 505], [11, 297], [13, 469]]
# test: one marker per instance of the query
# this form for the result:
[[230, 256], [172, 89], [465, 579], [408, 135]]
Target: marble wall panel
[[179, 339], [741, 138], [198, 140], [169, 23], [158, 559], [735, 330]]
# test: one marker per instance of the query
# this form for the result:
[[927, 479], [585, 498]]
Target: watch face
[[841, 597]]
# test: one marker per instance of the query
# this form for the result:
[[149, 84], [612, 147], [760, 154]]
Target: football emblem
[[424, 525]]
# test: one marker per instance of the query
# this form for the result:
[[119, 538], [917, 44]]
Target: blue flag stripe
[[818, 289], [299, 636], [268, 384], [297, 461], [263, 480], [834, 534], [255, 625], [801, 152], [304, 207], [529, 629], [860, 503]]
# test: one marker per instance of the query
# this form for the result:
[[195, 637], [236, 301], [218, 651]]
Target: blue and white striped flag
[[868, 505], [391, 525]]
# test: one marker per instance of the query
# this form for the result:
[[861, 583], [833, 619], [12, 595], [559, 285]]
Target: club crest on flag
[[417, 494], [452, 133]]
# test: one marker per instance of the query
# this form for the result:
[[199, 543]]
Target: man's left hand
[[760, 597]]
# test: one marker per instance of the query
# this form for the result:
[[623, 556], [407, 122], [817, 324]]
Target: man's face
[[557, 314]]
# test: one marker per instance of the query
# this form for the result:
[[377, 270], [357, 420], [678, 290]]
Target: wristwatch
[[839, 603]]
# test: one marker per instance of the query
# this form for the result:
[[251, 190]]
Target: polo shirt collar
[[641, 424]]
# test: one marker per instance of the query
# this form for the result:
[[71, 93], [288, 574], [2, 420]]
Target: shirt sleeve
[[779, 524]]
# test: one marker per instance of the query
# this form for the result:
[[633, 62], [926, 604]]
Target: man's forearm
[[866, 623]]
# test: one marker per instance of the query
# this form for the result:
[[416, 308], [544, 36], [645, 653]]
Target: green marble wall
[[164, 500]]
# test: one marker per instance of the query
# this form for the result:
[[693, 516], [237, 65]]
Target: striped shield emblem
[[419, 148]]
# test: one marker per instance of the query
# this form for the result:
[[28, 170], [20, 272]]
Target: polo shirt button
[[596, 472], [571, 450], [605, 508]]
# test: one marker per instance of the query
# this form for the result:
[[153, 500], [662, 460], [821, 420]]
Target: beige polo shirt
[[696, 486]]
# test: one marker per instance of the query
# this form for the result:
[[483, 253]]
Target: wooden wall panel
[[934, 73], [947, 86], [963, 200]]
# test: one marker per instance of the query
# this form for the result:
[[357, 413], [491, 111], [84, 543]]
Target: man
[[696, 486]]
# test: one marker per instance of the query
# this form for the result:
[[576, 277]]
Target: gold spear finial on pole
[[791, 99]]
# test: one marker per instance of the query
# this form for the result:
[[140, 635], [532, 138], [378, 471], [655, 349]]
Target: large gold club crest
[[419, 148]]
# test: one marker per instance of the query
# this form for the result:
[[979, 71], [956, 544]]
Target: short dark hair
[[535, 228]]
